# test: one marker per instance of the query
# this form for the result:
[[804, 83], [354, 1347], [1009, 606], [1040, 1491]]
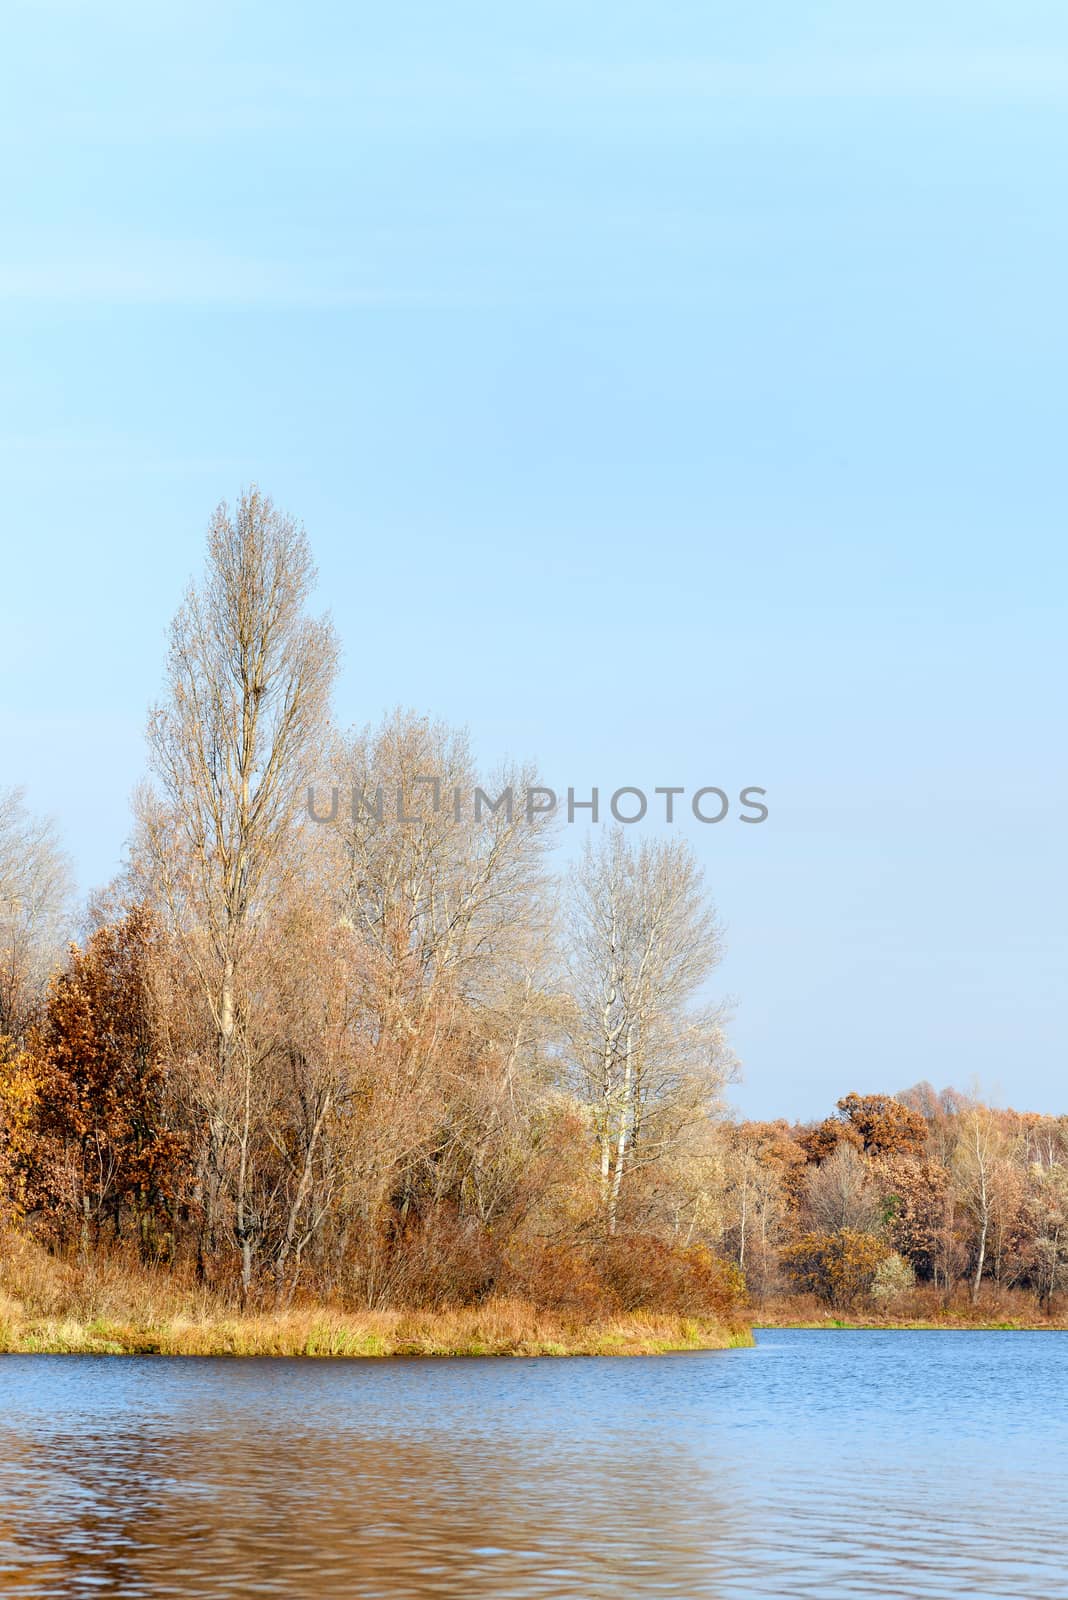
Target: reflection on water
[[852, 1464]]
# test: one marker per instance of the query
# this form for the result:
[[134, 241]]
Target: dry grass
[[922, 1308], [50, 1306]]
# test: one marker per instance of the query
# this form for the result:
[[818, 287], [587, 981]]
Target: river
[[842, 1464]]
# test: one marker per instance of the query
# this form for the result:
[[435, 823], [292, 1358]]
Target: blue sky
[[672, 395]]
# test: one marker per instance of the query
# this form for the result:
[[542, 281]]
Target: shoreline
[[947, 1324], [497, 1329], [504, 1329]]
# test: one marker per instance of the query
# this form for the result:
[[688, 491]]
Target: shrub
[[642, 1273], [838, 1267], [894, 1278]]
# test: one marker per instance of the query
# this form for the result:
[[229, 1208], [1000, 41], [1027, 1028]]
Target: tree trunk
[[982, 1258], [624, 1126], [289, 1242]]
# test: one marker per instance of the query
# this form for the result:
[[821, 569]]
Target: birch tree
[[650, 1054], [975, 1163]]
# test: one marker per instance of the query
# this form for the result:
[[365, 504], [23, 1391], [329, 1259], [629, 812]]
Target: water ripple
[[853, 1465]]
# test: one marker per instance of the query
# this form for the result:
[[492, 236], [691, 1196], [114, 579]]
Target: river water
[[819, 1464]]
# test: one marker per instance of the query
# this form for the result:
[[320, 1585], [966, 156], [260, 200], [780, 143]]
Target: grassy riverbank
[[49, 1306], [505, 1328], [1012, 1312]]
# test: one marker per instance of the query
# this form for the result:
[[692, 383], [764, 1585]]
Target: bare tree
[[840, 1193], [436, 866], [245, 713], [439, 874], [447, 892], [650, 1056], [35, 895], [975, 1163], [1050, 1205]]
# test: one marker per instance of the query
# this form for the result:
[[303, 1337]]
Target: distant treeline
[[392, 1059], [901, 1201]]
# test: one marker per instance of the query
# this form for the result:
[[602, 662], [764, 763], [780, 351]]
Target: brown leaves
[[838, 1267], [88, 1097]]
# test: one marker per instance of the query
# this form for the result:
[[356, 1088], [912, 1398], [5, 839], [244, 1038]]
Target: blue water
[[830, 1464]]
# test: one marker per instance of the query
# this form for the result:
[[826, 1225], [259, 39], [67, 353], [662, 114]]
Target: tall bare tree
[[650, 1054], [241, 725], [439, 873], [35, 895]]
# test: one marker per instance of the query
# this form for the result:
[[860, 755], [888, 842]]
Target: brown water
[[829, 1464]]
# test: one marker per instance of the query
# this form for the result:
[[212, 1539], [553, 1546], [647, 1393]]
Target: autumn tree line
[[394, 1058], [908, 1202]]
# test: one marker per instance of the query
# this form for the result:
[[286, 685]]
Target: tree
[[762, 1160], [894, 1277], [839, 1193], [974, 1166], [1050, 1220], [820, 1140], [98, 1137], [941, 1111], [232, 744], [885, 1126], [649, 1055], [438, 875], [916, 1206], [35, 891], [447, 893], [838, 1267]]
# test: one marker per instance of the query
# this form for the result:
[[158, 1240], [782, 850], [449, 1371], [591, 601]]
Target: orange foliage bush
[[448, 1260], [837, 1267], [641, 1272]]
